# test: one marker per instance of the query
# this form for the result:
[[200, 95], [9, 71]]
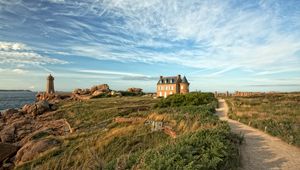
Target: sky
[[251, 45]]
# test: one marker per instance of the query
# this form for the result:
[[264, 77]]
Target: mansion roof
[[172, 80]]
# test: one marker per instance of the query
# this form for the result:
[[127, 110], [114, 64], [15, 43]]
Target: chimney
[[178, 76], [160, 77]]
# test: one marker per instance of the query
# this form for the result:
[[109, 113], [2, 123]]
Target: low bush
[[206, 149], [127, 93], [190, 99]]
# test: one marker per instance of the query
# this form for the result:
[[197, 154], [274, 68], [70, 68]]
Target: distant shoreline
[[16, 91]]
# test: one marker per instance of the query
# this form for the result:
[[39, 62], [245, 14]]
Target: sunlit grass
[[277, 114]]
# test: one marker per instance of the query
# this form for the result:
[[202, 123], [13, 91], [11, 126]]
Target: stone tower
[[50, 85], [184, 86]]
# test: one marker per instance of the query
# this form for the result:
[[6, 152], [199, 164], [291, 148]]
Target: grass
[[277, 114], [99, 142]]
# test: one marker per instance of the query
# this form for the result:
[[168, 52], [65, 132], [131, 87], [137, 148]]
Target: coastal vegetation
[[140, 133], [277, 114]]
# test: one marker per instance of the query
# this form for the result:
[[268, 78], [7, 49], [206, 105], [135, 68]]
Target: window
[[160, 94], [172, 88], [171, 93], [167, 87], [181, 87]]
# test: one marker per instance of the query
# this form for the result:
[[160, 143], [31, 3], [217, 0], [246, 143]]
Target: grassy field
[[100, 142], [277, 114]]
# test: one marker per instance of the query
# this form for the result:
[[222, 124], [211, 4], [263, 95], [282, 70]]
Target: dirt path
[[261, 151]]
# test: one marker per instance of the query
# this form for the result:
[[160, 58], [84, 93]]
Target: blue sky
[[219, 45]]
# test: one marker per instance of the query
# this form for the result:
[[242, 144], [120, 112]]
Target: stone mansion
[[172, 85]]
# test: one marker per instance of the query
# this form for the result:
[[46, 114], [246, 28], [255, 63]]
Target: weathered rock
[[47, 96], [81, 91], [103, 87], [97, 93], [135, 90], [36, 108], [15, 131], [86, 91], [33, 148], [53, 107], [7, 134], [76, 91], [93, 89], [7, 151], [9, 112]]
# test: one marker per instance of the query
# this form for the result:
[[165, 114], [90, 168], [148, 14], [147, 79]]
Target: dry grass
[[278, 114], [100, 142]]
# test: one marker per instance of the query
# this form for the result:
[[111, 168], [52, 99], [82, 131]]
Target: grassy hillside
[[115, 133], [277, 114]]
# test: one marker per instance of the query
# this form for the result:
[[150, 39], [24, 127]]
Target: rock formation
[[30, 129], [52, 97], [93, 92], [135, 90]]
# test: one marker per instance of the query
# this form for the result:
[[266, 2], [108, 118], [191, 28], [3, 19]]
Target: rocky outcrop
[[6, 152], [103, 87], [36, 108], [33, 148], [95, 91], [135, 90], [15, 125], [81, 91], [52, 97], [31, 129]]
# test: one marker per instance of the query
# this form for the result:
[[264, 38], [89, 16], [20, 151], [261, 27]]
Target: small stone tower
[[50, 85], [184, 86]]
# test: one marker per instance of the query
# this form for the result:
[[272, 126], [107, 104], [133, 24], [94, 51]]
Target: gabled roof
[[184, 80], [169, 80]]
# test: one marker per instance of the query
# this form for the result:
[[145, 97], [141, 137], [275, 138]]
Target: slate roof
[[172, 80], [167, 80], [184, 80]]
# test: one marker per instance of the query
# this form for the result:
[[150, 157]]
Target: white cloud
[[13, 71], [57, 1], [221, 35], [18, 54], [7, 46], [19, 71], [107, 72], [210, 34]]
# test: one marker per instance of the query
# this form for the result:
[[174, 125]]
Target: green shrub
[[190, 99], [127, 93], [206, 149]]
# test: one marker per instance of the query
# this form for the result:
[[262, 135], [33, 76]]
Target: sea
[[15, 99]]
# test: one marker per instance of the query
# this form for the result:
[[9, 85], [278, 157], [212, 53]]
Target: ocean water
[[15, 99]]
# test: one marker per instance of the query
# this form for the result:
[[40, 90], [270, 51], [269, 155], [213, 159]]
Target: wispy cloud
[[259, 38], [18, 53], [206, 34], [275, 85], [109, 72]]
